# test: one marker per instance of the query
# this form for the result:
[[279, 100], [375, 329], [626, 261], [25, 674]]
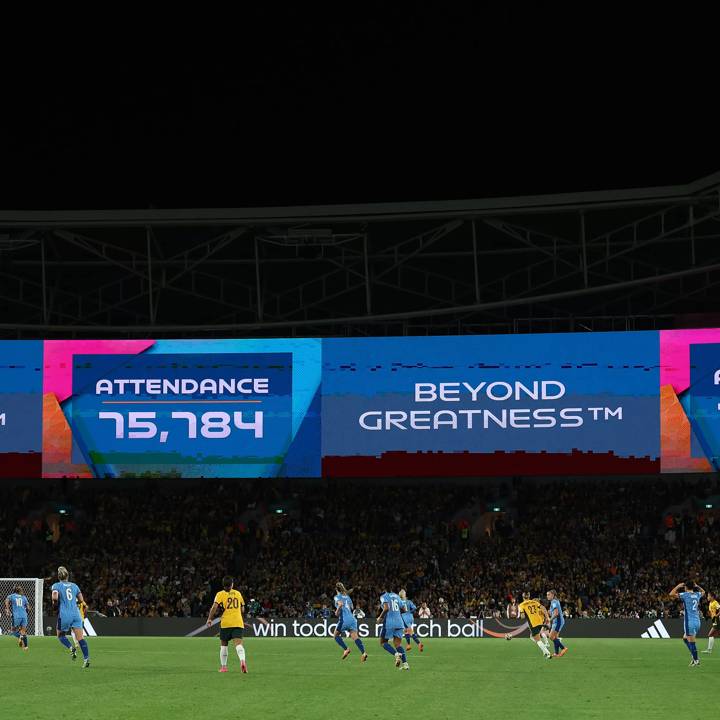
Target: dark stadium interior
[[373, 219]]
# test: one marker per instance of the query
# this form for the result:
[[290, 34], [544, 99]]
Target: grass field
[[297, 678]]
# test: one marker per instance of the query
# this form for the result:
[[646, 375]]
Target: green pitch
[[177, 678]]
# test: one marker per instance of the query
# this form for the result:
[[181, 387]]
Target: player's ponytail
[[340, 588], [63, 573]]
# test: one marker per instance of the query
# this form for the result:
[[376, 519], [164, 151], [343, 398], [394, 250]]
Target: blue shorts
[[557, 624], [64, 624], [408, 619], [692, 627], [347, 625], [391, 632], [20, 621]]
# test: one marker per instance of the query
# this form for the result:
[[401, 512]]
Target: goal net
[[32, 588]]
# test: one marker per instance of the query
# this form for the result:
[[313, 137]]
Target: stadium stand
[[155, 550]]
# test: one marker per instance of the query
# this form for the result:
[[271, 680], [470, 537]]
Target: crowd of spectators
[[610, 548]]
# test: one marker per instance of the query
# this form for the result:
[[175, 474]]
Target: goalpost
[[32, 588]]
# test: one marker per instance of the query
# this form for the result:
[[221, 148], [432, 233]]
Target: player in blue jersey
[[65, 597], [408, 615], [347, 622], [557, 620], [392, 626], [691, 601], [17, 608]]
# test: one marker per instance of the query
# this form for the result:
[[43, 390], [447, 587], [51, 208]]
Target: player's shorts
[[391, 632], [408, 619], [557, 624], [20, 621], [350, 625], [65, 624], [536, 630], [692, 627], [228, 633]]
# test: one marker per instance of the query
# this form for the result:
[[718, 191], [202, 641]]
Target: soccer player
[[691, 600], [83, 608], [408, 610], [557, 620], [232, 626], [347, 622], [17, 608], [714, 612], [537, 616], [392, 626], [66, 595]]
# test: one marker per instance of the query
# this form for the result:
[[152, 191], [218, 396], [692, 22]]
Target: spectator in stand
[[424, 611]]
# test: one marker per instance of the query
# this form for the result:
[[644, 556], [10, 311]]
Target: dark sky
[[298, 110]]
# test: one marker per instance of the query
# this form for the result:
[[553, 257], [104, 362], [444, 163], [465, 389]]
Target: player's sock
[[84, 647], [240, 650], [25, 640], [693, 650], [543, 649], [401, 650], [558, 645], [387, 646], [340, 642], [223, 655], [687, 643], [416, 638], [711, 642], [64, 641], [360, 645]]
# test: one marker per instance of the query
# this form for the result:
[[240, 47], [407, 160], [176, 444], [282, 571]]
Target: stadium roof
[[615, 259], [558, 202]]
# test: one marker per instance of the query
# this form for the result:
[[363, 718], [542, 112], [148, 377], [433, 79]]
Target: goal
[[32, 588]]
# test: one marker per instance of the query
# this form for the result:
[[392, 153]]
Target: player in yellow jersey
[[231, 604], [714, 612], [537, 616]]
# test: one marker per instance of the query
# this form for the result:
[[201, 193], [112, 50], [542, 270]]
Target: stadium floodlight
[[708, 506], [32, 588]]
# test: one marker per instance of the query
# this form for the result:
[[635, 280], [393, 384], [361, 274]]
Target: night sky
[[294, 109]]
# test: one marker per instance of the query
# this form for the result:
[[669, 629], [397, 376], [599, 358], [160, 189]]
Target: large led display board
[[560, 404]]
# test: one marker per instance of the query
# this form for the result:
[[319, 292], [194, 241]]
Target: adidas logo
[[656, 631]]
